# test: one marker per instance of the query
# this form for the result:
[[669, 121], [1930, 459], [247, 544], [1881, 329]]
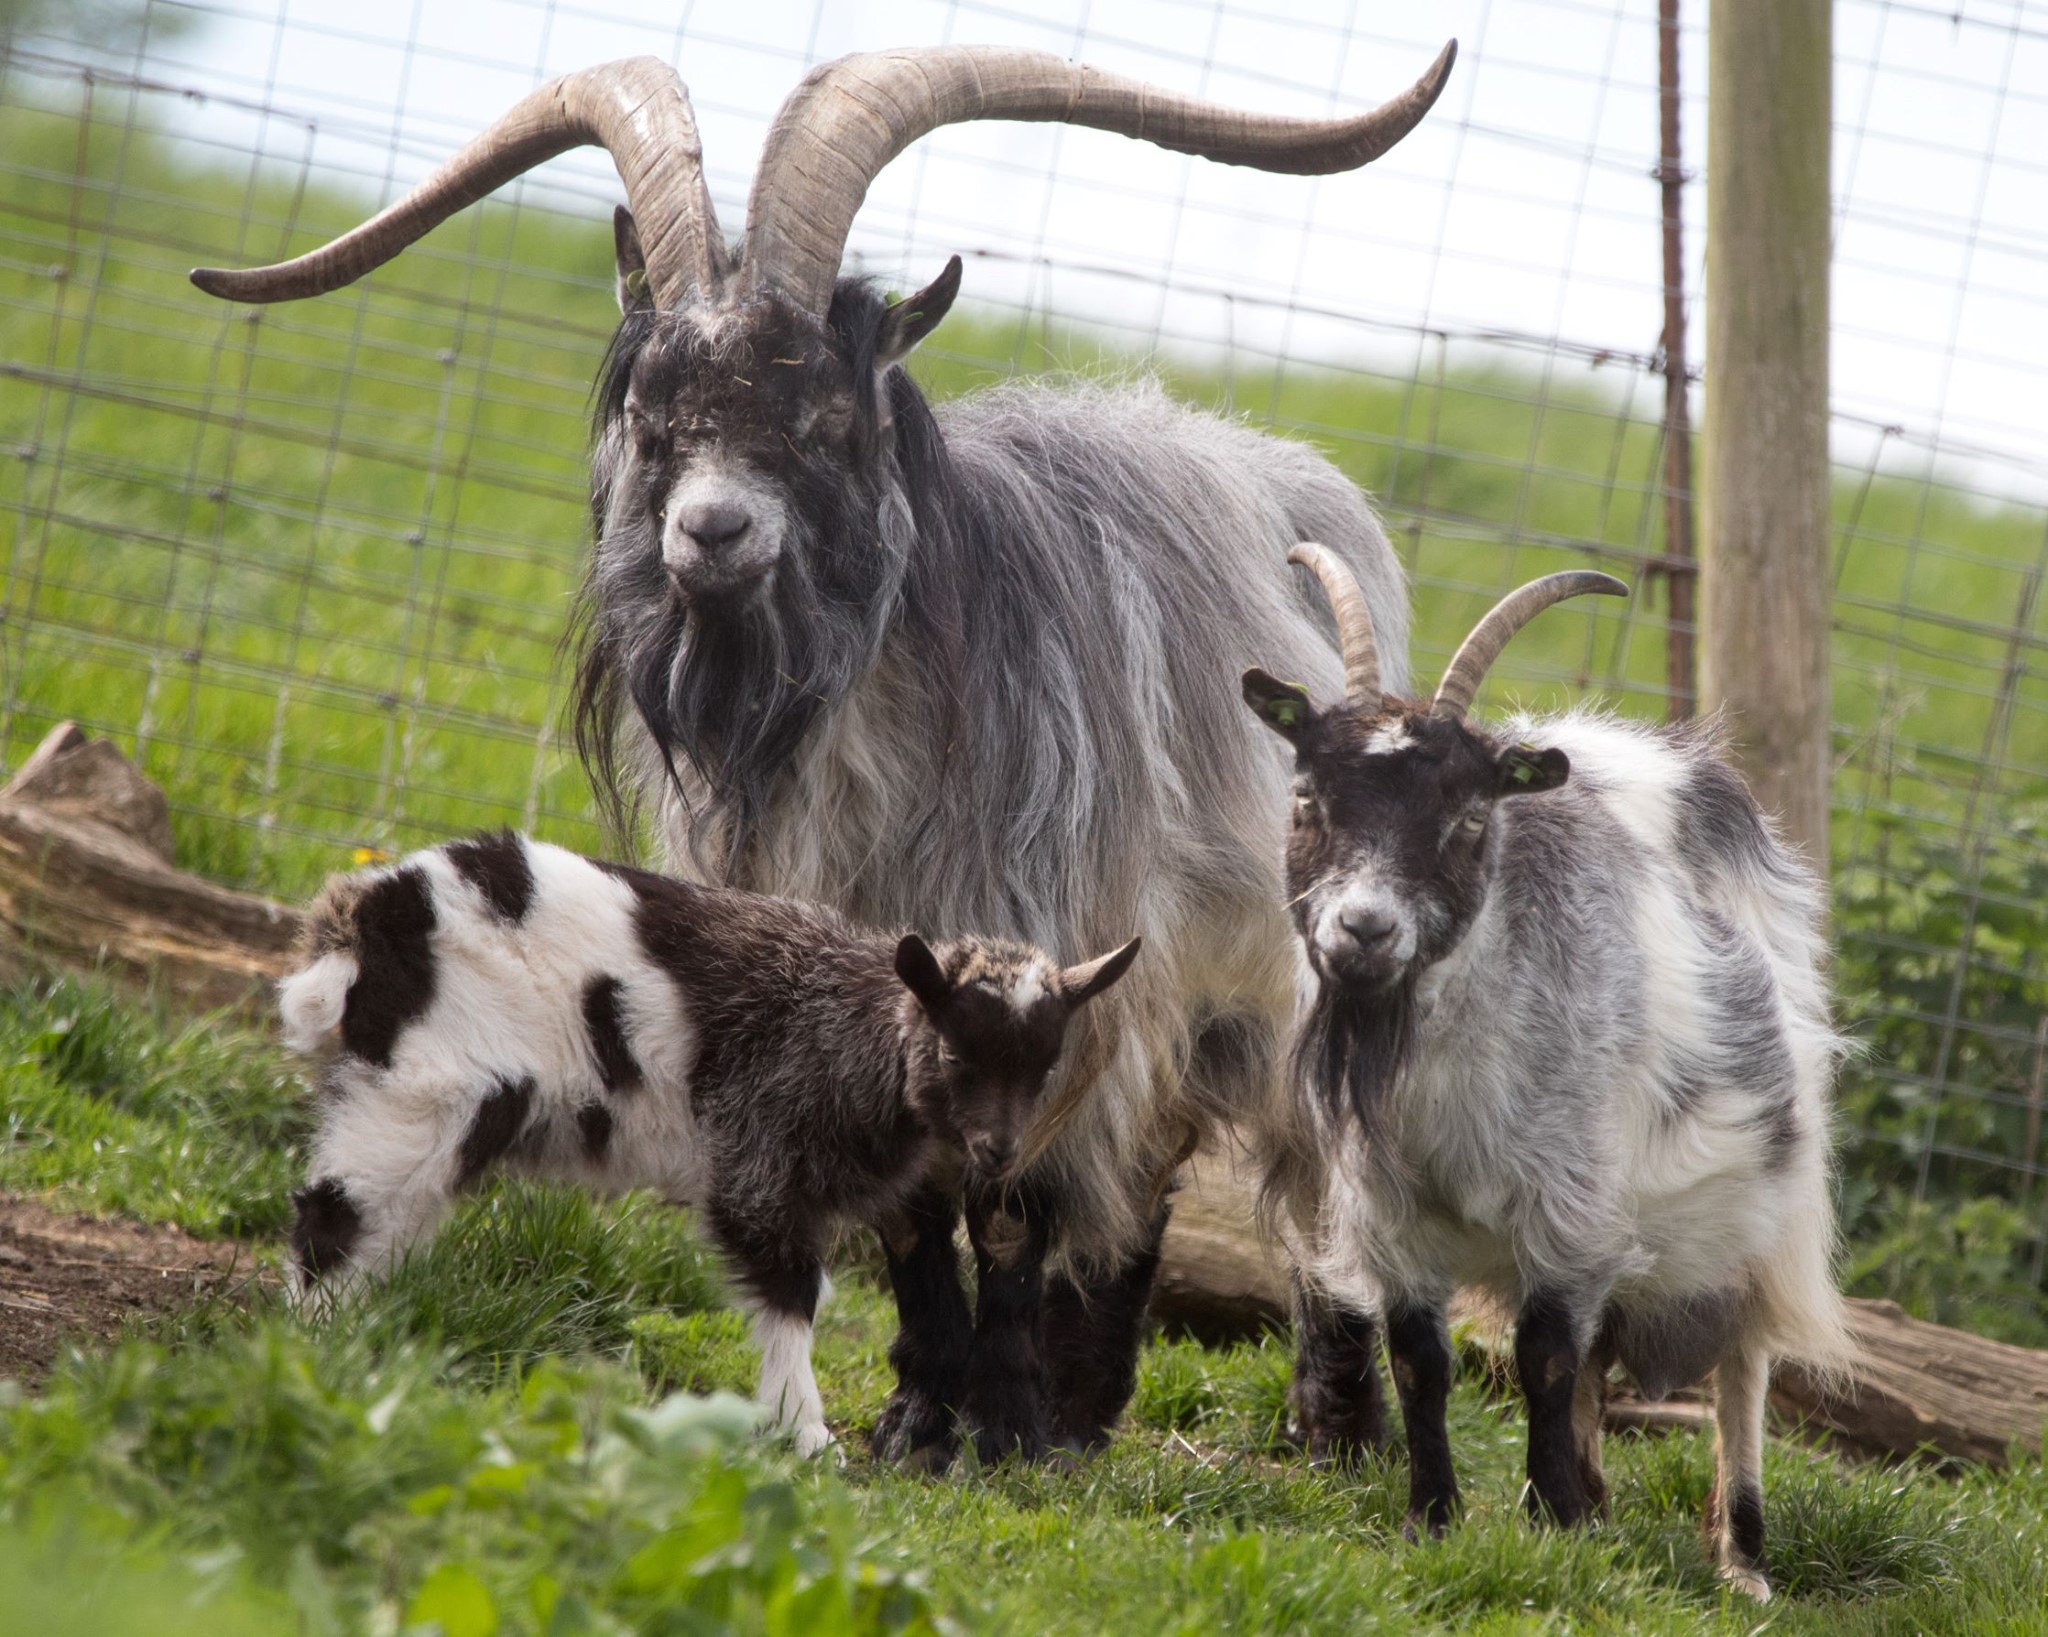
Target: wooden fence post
[[1764, 614]]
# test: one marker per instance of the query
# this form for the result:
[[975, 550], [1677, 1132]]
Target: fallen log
[[1917, 1389], [87, 879]]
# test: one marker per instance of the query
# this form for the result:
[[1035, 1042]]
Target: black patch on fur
[[1669, 1345], [1419, 1348], [496, 865], [1779, 1123], [394, 922], [594, 1125], [499, 1119], [1746, 1525], [1718, 821], [326, 1227], [1228, 1052], [604, 1022]]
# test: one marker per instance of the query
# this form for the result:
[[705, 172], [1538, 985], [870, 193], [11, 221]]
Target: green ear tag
[[1524, 772], [636, 282], [1284, 713]]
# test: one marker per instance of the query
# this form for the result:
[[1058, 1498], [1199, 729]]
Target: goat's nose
[[993, 1155], [714, 523], [1368, 927]]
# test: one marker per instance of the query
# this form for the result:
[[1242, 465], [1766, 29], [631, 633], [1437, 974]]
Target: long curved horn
[[637, 109], [849, 118], [1475, 656], [1354, 623]]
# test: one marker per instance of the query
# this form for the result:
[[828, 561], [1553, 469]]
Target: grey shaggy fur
[[1100, 565]]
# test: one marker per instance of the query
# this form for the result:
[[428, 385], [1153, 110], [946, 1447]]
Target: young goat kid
[[502, 1002], [1571, 1045]]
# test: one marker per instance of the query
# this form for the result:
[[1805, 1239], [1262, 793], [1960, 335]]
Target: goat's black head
[[1390, 843], [733, 437], [985, 1032]]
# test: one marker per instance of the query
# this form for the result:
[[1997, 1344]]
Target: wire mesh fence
[[312, 563]]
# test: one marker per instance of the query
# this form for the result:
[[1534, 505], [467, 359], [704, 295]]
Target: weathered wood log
[[86, 879], [1917, 1389]]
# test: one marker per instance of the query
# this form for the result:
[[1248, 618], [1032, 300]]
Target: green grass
[[505, 1435]]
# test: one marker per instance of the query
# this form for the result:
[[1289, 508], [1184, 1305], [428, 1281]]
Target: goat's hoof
[[911, 1424], [1433, 1522], [926, 1461], [814, 1440], [1750, 1582]]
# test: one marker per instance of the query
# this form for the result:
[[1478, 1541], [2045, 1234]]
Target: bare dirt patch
[[78, 1278]]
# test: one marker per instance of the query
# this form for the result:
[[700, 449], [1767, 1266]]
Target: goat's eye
[[1473, 824], [948, 1056], [1304, 804]]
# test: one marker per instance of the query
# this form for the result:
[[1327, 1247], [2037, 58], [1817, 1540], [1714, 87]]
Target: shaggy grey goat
[[966, 668], [1570, 1041], [499, 1002]]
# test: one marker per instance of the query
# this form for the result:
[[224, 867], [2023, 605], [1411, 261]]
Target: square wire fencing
[[313, 564]]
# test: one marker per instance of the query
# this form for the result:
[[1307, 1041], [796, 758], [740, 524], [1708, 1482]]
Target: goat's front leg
[[934, 1331], [785, 1276], [1419, 1346], [1005, 1402], [1547, 1361], [1339, 1413], [1093, 1333]]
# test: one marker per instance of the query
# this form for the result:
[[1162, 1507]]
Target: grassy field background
[[310, 565]]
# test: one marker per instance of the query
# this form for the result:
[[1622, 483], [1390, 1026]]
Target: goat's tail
[[311, 1001], [1799, 1315]]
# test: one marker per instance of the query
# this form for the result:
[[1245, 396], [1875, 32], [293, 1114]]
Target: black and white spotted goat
[[1576, 1038], [500, 1002]]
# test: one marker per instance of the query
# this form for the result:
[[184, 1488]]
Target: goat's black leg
[[1547, 1361], [1419, 1347], [934, 1331], [1339, 1412], [1004, 1406], [1092, 1336], [784, 1275]]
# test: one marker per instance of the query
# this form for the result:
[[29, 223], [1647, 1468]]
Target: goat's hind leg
[[386, 1164], [785, 1276], [1735, 1508], [1338, 1411], [934, 1333]]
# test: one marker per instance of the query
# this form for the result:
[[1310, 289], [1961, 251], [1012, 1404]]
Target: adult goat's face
[[989, 1022], [741, 446], [1390, 844]]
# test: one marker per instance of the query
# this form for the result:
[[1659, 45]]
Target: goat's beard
[[730, 688], [1354, 1047]]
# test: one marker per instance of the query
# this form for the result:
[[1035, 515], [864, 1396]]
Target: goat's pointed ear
[[921, 973], [915, 317], [635, 295], [1282, 706], [1081, 984], [1524, 770]]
